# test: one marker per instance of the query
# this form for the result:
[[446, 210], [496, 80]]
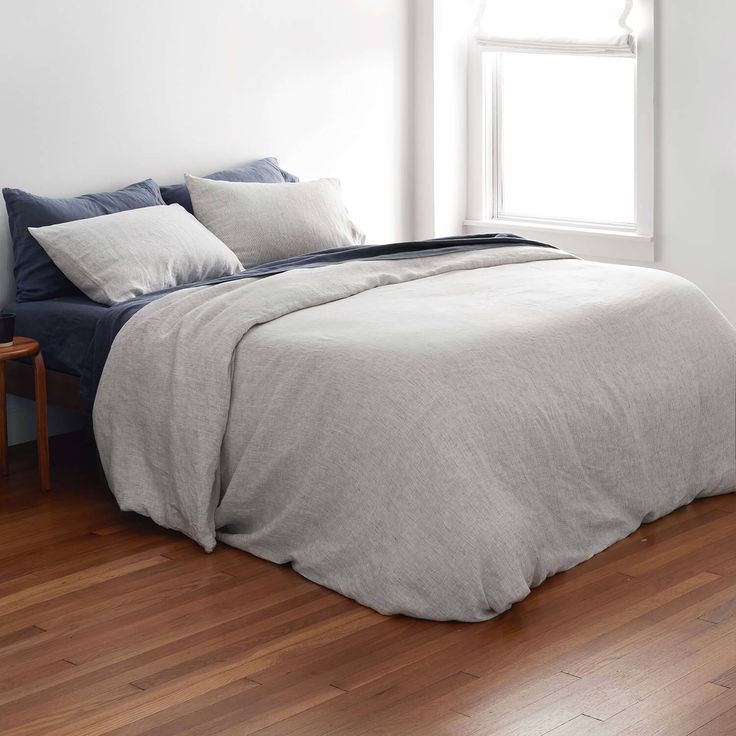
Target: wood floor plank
[[404, 714], [656, 675], [694, 706], [110, 626], [725, 566], [721, 725], [720, 613], [44, 591], [372, 702], [726, 679], [255, 642], [21, 679], [126, 661], [162, 721], [677, 550]]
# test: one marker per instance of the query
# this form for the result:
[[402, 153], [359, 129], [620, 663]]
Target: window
[[563, 114], [565, 138]]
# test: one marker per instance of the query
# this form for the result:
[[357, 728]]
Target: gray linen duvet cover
[[430, 436]]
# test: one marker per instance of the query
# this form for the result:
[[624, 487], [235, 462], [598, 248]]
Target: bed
[[432, 432], [430, 428]]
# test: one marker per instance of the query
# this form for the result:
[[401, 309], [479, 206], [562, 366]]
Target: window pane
[[567, 137]]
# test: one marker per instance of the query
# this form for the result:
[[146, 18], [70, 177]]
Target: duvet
[[432, 436]]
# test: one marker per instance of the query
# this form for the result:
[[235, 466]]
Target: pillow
[[289, 178], [268, 222], [265, 171], [36, 277], [117, 257]]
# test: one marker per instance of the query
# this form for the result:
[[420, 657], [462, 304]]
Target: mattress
[[64, 326]]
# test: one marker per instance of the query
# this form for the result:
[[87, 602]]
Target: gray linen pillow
[[114, 258], [268, 222]]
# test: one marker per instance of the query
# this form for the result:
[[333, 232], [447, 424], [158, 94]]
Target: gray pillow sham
[[268, 222], [114, 258]]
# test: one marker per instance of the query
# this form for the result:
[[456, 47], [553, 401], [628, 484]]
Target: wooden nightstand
[[24, 347]]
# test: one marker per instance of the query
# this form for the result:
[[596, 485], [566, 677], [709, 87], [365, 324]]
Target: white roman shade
[[596, 27]]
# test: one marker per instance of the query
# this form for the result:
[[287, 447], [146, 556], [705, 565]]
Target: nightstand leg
[[3, 423], [42, 426]]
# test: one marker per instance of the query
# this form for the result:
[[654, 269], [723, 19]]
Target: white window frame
[[590, 240]]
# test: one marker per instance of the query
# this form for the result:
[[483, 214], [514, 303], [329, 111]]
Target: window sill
[[583, 242]]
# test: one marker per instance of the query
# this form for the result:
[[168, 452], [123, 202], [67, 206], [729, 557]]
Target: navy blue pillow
[[36, 276], [265, 171], [290, 178]]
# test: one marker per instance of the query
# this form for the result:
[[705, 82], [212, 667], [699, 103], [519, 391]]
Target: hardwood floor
[[109, 625]]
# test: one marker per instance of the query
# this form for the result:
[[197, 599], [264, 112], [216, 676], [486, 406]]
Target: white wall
[[441, 29], [696, 173], [96, 94]]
